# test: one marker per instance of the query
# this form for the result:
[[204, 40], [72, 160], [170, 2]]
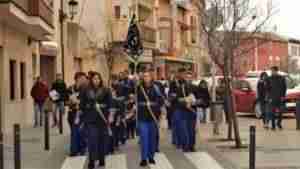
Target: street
[[275, 149]]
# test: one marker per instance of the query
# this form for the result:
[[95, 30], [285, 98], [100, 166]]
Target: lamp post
[[73, 4]]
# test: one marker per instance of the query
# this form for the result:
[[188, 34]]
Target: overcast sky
[[288, 18]]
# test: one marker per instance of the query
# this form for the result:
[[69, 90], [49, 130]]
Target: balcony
[[33, 17], [148, 35], [119, 29], [39, 8], [148, 4]]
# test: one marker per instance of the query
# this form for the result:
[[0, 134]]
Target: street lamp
[[73, 8], [62, 17]]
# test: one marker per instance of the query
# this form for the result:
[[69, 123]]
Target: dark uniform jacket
[[176, 94], [155, 101], [89, 96], [203, 97], [276, 89], [73, 108], [61, 88]]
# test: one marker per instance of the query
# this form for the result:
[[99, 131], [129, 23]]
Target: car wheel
[[257, 111]]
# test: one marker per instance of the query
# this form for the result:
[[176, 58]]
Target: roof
[[261, 35], [293, 40]]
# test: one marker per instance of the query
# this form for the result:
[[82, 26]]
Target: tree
[[105, 46], [226, 25]]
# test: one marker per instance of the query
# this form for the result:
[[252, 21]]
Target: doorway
[[47, 69]]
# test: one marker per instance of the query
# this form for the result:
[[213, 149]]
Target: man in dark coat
[[182, 126], [276, 94]]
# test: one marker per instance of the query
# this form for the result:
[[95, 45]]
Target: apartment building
[[23, 25], [179, 37], [169, 31]]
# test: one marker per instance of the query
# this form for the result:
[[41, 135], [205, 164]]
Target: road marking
[[203, 160], [162, 162], [74, 162], [116, 162]]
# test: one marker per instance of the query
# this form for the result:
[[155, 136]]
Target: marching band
[[103, 118]]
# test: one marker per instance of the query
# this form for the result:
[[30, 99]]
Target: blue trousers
[[148, 133], [177, 129], [78, 142], [189, 134]]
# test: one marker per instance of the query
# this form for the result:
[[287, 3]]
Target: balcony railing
[[22, 4], [145, 3], [41, 9], [37, 8], [148, 34]]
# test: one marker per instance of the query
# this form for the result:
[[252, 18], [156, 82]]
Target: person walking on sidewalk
[[58, 94], [149, 102], [276, 92], [95, 103], [78, 140], [261, 97], [39, 93], [203, 100]]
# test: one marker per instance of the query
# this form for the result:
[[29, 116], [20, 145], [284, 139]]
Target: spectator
[[59, 90], [276, 94], [261, 96], [39, 93], [203, 98]]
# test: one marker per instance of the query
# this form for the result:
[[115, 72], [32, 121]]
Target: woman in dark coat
[[262, 87], [203, 97], [95, 103]]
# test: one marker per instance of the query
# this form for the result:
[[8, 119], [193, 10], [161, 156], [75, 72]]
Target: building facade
[[169, 31], [294, 56], [262, 51], [23, 25]]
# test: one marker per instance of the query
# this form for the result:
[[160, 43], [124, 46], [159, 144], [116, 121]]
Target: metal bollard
[[17, 146], [298, 115], [46, 131], [60, 123], [1, 150], [252, 148]]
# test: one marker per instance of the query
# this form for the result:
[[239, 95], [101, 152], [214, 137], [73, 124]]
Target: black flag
[[133, 44]]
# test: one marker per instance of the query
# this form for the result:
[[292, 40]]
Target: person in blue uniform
[[182, 134], [149, 102], [95, 103], [78, 140], [190, 122]]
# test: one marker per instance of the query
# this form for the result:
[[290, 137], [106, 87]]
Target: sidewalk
[[33, 155], [278, 149]]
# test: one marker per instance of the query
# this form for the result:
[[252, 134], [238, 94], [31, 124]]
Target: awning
[[49, 48], [175, 59]]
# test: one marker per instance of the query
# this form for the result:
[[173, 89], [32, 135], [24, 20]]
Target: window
[[117, 12], [193, 30], [77, 64], [34, 65], [165, 39], [294, 51], [23, 79], [12, 79]]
